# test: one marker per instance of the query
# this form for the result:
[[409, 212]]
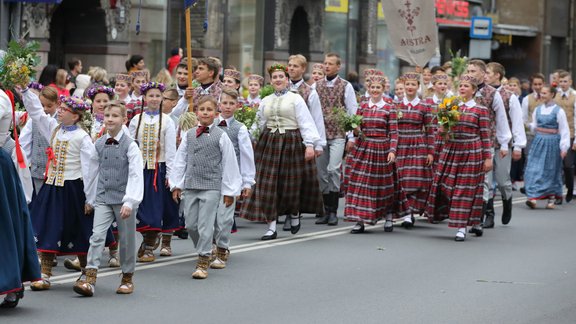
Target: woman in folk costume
[[18, 258], [122, 87], [415, 147], [317, 73], [457, 188], [284, 154], [255, 83], [61, 215], [543, 174], [372, 192], [440, 86], [155, 134], [136, 103], [100, 96]]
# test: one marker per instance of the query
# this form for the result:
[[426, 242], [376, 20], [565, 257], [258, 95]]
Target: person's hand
[[228, 201], [503, 153], [516, 155], [309, 153], [88, 209], [188, 93], [167, 184], [429, 159], [125, 212], [488, 165], [574, 147], [349, 146], [318, 153], [246, 193], [563, 154], [391, 157], [176, 194]]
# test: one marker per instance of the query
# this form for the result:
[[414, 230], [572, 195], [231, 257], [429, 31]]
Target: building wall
[[525, 12]]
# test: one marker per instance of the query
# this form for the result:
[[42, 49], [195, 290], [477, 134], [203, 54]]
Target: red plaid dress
[[415, 142], [457, 188], [372, 192]]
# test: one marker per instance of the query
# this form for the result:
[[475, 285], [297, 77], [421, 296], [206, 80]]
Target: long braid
[[159, 144], [54, 134], [136, 136]]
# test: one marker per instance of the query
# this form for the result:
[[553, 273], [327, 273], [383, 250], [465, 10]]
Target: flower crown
[[75, 104], [376, 79], [36, 86], [469, 78], [277, 67], [92, 92], [152, 85]]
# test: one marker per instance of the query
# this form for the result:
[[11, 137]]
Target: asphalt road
[[521, 273]]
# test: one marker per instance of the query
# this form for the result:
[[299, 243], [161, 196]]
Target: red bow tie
[[111, 141], [202, 129], [223, 123]]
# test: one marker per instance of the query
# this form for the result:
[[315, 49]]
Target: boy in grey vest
[[238, 134], [206, 169], [119, 191]]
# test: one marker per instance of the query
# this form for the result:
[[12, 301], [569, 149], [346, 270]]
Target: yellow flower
[[442, 106], [444, 119], [454, 107]]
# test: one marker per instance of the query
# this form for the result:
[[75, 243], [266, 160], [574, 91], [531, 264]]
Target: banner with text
[[412, 29]]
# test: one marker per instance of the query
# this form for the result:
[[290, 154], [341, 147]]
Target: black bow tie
[[111, 141]]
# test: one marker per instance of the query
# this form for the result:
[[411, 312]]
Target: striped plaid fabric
[[372, 192], [285, 182], [438, 140], [457, 188], [415, 142]]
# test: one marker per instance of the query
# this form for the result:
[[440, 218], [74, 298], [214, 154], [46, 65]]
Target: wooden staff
[[189, 55]]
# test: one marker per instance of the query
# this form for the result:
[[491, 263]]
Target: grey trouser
[[223, 224], [104, 215], [329, 165], [501, 174], [200, 208]]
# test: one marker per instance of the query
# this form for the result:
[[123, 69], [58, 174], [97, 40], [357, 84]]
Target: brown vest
[[532, 104], [486, 99], [331, 97], [567, 104], [304, 90]]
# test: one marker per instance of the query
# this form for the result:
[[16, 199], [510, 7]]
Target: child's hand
[[125, 212], [88, 209], [228, 201], [176, 194], [246, 193]]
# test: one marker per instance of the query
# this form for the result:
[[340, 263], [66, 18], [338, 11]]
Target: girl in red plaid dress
[[415, 147], [372, 189], [457, 188]]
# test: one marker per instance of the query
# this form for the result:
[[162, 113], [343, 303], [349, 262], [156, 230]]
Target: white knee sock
[[294, 220]]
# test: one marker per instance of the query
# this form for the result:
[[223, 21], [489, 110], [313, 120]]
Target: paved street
[[521, 273]]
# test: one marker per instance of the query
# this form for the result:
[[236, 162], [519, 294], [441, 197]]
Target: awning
[[515, 30]]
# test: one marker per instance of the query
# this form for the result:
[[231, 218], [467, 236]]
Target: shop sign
[[453, 8]]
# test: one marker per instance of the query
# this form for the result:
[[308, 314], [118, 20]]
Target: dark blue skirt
[[157, 211], [18, 258], [59, 221]]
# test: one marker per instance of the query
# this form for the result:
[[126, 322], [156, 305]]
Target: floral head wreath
[[257, 78], [277, 67], [439, 77], [152, 85], [318, 66], [36, 86], [470, 79], [77, 105], [413, 76], [369, 72], [377, 79], [123, 77], [92, 92], [232, 74]]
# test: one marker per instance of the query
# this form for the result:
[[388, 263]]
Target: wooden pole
[[189, 55]]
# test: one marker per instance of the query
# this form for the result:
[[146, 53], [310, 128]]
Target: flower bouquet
[[448, 115], [347, 122], [247, 115], [266, 91], [17, 66]]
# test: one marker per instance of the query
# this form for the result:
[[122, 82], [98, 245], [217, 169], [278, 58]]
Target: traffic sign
[[481, 28]]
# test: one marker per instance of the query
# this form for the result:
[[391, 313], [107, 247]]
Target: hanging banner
[[412, 29]]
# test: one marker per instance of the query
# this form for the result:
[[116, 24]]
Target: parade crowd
[[163, 157]]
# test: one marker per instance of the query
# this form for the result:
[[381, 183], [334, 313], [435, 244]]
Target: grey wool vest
[[38, 156], [9, 146], [232, 131], [204, 164], [113, 172]]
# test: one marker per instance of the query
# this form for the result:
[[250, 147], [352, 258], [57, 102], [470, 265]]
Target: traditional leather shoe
[[268, 237], [507, 212], [569, 196], [531, 203], [181, 234], [72, 264], [126, 285], [295, 229], [489, 221], [7, 303], [388, 226], [407, 225], [460, 238], [323, 220], [477, 230], [558, 201], [333, 219], [357, 229]]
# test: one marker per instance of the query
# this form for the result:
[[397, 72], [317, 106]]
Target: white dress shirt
[[247, 165], [518, 131], [46, 126], [5, 117], [563, 128], [525, 108], [231, 178], [26, 138], [135, 185], [316, 112]]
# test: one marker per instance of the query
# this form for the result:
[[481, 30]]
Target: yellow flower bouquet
[[448, 115], [17, 66]]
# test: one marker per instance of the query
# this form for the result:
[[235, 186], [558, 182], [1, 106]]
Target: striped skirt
[[372, 192], [457, 188], [285, 182]]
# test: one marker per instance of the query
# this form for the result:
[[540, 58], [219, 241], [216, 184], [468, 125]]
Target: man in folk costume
[[495, 74], [566, 98], [297, 65], [490, 98], [333, 91]]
